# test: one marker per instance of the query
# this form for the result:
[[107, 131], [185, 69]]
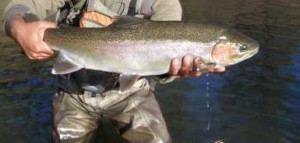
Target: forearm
[[40, 8], [12, 17], [11, 24], [29, 35]]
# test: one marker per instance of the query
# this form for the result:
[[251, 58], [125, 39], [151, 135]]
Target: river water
[[254, 101]]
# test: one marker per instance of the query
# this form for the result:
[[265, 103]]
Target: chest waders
[[78, 111]]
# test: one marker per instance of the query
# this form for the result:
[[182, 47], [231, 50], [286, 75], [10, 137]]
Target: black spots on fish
[[202, 32]]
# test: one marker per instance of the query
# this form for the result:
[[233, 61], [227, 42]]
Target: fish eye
[[243, 48]]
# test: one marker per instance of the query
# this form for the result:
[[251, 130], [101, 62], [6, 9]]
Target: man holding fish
[[86, 96]]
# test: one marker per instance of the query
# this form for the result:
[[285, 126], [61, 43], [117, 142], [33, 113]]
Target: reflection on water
[[25, 89], [255, 101]]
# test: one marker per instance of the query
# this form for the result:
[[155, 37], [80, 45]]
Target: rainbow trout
[[134, 46]]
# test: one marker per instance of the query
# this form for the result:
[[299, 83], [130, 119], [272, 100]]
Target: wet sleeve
[[41, 8]]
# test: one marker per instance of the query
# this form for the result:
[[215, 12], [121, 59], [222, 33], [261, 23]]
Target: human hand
[[29, 35], [187, 64]]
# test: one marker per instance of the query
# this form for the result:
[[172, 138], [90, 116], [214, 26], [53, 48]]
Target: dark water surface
[[256, 101]]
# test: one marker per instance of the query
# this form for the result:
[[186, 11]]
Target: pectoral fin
[[127, 81], [203, 68], [64, 66]]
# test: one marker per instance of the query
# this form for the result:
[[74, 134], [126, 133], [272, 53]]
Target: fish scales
[[145, 47]]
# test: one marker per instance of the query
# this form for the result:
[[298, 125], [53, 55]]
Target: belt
[[87, 80]]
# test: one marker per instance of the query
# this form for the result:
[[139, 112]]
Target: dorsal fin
[[122, 21]]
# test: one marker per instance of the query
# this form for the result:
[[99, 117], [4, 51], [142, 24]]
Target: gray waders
[[135, 112]]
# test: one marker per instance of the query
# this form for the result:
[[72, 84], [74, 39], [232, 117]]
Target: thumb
[[47, 24]]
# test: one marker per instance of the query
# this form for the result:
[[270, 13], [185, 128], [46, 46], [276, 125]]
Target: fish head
[[233, 47]]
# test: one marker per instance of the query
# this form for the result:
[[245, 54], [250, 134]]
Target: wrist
[[13, 25]]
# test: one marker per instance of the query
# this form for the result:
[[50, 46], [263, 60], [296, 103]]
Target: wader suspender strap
[[140, 7], [70, 11], [146, 8], [132, 8], [72, 8]]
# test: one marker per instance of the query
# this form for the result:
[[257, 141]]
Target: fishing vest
[[99, 13]]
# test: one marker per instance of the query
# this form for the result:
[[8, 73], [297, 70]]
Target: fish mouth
[[245, 55], [251, 53]]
